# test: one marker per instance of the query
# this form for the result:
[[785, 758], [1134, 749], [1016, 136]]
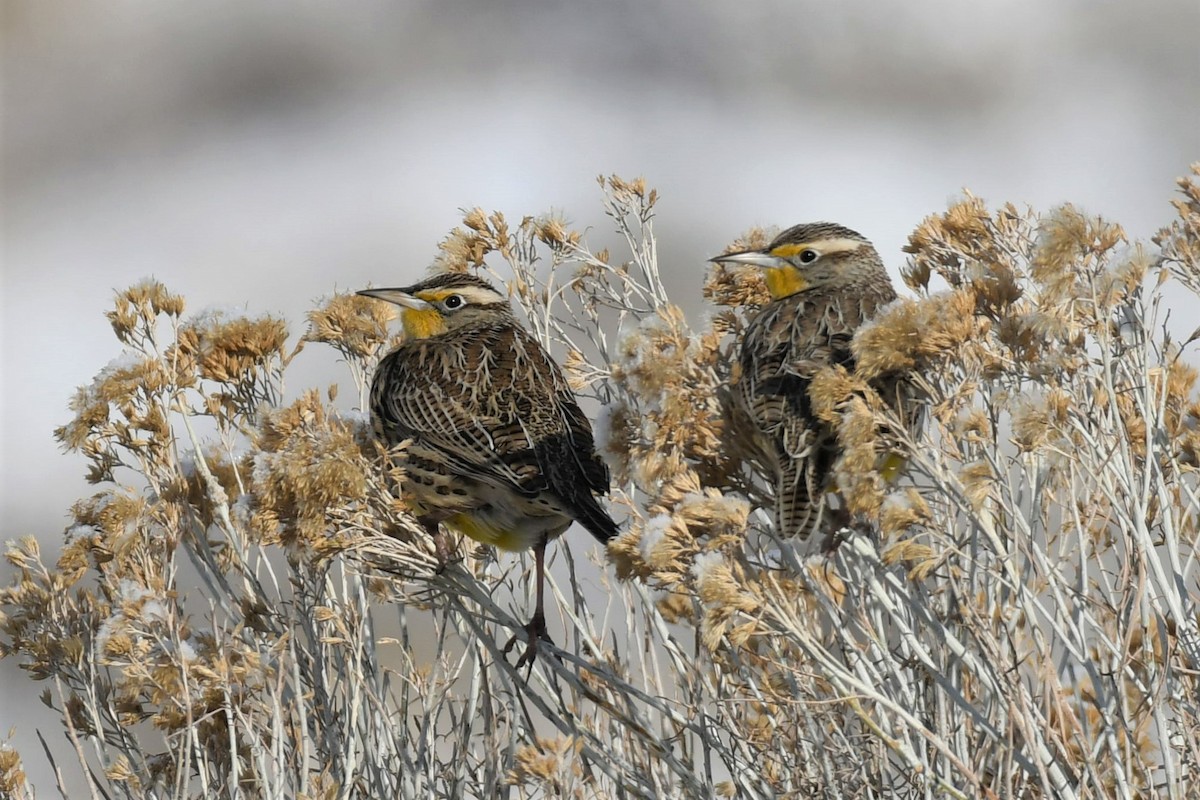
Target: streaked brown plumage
[[500, 449], [825, 281]]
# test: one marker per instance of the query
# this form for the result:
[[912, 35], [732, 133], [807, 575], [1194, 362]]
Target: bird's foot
[[535, 635], [843, 526], [443, 548], [447, 555]]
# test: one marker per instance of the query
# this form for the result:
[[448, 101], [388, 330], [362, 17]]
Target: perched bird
[[825, 281], [499, 449]]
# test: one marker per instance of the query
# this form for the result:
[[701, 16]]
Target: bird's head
[[445, 302], [809, 256]]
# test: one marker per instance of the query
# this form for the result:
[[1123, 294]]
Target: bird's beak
[[398, 296], [751, 258]]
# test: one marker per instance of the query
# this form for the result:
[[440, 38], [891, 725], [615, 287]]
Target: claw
[[535, 634], [445, 554], [441, 544]]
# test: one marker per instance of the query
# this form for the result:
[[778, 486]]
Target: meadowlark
[[499, 448], [825, 281]]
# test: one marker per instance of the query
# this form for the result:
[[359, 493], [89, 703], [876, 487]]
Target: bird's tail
[[592, 516], [799, 500]]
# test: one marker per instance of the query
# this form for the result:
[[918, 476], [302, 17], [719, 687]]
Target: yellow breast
[[422, 323]]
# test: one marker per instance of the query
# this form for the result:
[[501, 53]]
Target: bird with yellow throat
[[825, 281], [499, 449]]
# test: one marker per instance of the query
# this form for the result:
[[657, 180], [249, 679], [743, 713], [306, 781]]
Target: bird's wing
[[441, 395], [564, 448], [495, 407]]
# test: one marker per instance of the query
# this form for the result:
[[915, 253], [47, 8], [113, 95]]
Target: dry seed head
[[730, 286], [726, 323], [858, 426], [120, 771], [733, 286], [12, 773], [755, 238], [1070, 248], [467, 248], [234, 350], [150, 293], [713, 516], [905, 550], [912, 334], [862, 491], [475, 219], [977, 482], [353, 324], [974, 426], [553, 232], [1180, 241], [579, 372], [654, 358], [1188, 444], [139, 307], [86, 547], [629, 193], [665, 543], [1123, 278], [1031, 426], [24, 554], [114, 513], [615, 438], [921, 559], [308, 463], [654, 467], [831, 387], [1060, 249], [823, 579], [997, 287], [722, 596], [949, 322], [718, 586], [889, 341], [967, 222], [133, 385], [548, 762], [680, 484], [947, 243], [673, 376], [677, 607], [903, 511], [625, 553]]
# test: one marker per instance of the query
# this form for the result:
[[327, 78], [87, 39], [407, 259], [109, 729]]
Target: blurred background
[[261, 155]]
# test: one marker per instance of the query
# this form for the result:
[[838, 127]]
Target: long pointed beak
[[750, 258], [397, 296]]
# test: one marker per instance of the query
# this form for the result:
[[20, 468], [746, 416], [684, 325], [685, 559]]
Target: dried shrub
[[1015, 617]]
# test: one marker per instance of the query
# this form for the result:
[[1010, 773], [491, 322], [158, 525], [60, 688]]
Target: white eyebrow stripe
[[830, 244], [838, 245], [475, 295]]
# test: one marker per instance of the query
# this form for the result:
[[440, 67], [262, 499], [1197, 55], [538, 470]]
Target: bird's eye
[[452, 302], [808, 256]]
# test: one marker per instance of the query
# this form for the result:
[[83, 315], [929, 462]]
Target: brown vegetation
[[246, 610]]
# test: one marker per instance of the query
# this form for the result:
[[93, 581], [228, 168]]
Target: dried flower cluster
[[1016, 617]]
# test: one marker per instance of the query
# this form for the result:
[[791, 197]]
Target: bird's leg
[[535, 629], [839, 521], [441, 542], [845, 525]]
